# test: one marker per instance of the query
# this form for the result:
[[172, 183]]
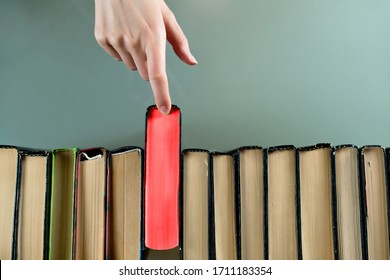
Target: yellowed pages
[[195, 205], [376, 216], [90, 208], [348, 203], [32, 207], [282, 212], [8, 176], [252, 205], [316, 204], [225, 226], [125, 205]]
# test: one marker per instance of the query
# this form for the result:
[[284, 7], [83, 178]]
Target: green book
[[62, 204]]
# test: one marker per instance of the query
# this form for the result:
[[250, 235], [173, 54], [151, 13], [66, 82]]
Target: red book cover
[[162, 179]]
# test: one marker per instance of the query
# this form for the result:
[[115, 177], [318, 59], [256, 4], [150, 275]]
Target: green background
[[270, 73]]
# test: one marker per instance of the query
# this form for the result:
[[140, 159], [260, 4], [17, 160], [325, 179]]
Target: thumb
[[177, 39]]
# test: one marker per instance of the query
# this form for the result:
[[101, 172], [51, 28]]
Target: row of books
[[318, 202]]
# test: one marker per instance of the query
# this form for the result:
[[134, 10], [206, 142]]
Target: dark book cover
[[27, 152]]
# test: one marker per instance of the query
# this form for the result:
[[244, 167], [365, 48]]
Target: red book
[[162, 179]]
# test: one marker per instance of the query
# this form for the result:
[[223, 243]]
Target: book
[[90, 202], [316, 212], [62, 203], [282, 204], [33, 205], [9, 186], [375, 190], [348, 202], [197, 205], [124, 203], [162, 179], [225, 217], [249, 165]]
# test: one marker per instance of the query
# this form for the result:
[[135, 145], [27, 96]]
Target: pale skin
[[135, 32]]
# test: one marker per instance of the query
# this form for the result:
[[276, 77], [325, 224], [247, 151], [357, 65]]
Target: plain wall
[[270, 73]]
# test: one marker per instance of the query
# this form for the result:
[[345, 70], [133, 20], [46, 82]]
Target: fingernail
[[164, 110], [194, 60]]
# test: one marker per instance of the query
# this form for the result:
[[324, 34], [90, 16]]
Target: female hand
[[135, 32]]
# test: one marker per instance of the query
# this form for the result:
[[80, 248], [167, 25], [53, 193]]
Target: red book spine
[[162, 179]]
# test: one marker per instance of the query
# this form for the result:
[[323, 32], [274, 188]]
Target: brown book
[[315, 180], [349, 229], [124, 204], [34, 205], [374, 186], [282, 203], [90, 204], [9, 169], [196, 202], [251, 190], [224, 206]]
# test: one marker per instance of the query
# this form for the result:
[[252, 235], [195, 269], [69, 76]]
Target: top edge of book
[[92, 153], [343, 146], [154, 107], [195, 150], [125, 149], [9, 147], [252, 147], [34, 152], [59, 150], [315, 147], [281, 148], [237, 150], [367, 147]]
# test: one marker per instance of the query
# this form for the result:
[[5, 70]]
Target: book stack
[[321, 202]]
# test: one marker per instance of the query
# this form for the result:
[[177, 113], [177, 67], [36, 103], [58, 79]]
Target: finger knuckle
[[157, 76], [100, 38], [116, 40]]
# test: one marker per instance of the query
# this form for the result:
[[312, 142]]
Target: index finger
[[155, 55]]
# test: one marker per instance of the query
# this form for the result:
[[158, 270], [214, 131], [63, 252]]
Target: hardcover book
[[349, 203], [90, 201], [33, 205], [375, 192], [9, 187], [249, 164], [315, 182], [282, 204], [197, 205], [162, 179], [62, 204], [225, 216], [124, 204]]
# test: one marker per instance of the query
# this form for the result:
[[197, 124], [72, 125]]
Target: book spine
[[334, 204], [16, 208], [237, 201], [265, 203], [212, 248], [298, 206], [387, 172]]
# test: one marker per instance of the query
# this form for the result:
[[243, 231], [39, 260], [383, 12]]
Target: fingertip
[[193, 60], [164, 109]]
